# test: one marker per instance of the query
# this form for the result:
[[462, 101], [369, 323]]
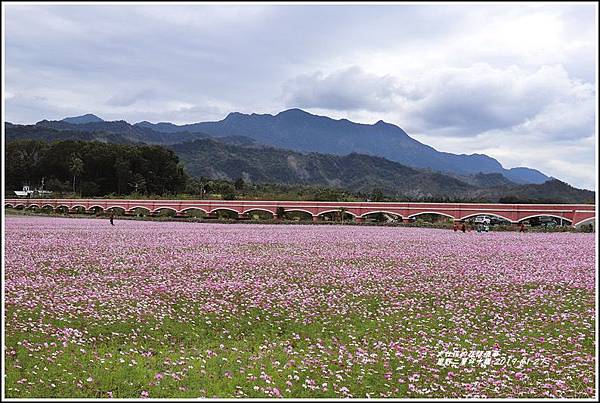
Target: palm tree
[[75, 167]]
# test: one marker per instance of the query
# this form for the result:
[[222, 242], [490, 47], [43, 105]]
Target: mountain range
[[296, 147], [358, 173], [297, 130]]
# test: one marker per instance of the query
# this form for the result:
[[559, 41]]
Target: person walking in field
[[463, 227], [455, 227], [112, 216]]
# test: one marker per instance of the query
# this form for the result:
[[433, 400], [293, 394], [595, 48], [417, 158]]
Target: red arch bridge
[[575, 214]]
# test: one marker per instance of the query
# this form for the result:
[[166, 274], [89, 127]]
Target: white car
[[482, 219]]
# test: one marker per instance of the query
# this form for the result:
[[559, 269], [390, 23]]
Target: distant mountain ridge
[[234, 157], [355, 172], [58, 131], [87, 118], [359, 173], [129, 132], [297, 130]]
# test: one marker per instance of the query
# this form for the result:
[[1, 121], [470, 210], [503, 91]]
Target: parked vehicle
[[482, 219]]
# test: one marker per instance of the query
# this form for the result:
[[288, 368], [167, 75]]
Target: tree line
[[91, 169], [75, 168]]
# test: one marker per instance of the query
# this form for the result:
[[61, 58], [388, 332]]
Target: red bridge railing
[[576, 214]]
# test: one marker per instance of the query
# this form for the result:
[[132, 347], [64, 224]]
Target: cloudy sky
[[514, 82]]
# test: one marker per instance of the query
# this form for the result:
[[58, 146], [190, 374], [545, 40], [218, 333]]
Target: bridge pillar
[[406, 220], [316, 218], [359, 219], [575, 218]]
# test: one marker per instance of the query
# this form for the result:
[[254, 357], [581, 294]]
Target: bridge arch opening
[[194, 212], [382, 216], [433, 217], [32, 207], [165, 212], [119, 211], [47, 208], [62, 209], [339, 214], [495, 219], [545, 220], [224, 213], [587, 225], [97, 210], [139, 211], [296, 214], [77, 209], [259, 214]]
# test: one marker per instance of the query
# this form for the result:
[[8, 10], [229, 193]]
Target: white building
[[26, 192]]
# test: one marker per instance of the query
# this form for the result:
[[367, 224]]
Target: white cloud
[[479, 98], [476, 109], [457, 101], [348, 89], [448, 74]]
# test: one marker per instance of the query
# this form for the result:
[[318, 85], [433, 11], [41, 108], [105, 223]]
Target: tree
[[123, 174], [75, 167], [197, 187], [138, 184], [280, 212], [239, 184], [204, 187], [224, 188], [23, 162], [56, 185], [377, 195], [89, 188], [341, 212]]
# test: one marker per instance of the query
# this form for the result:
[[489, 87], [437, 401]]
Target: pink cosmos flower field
[[157, 309]]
